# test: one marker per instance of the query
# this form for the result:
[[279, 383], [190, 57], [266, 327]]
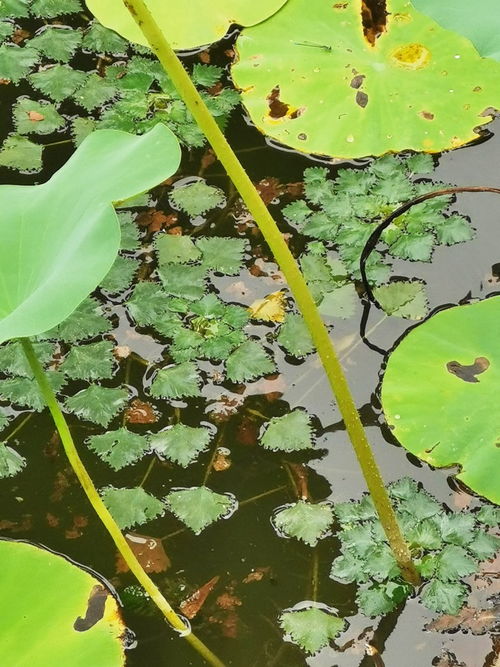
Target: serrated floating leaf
[[311, 628], [86, 321], [444, 596], [185, 282], [20, 153], [119, 448], [489, 515], [14, 9], [294, 336], [57, 81], [25, 391], [32, 117], [380, 599], [204, 24], [199, 506], [52, 8], [176, 249], [131, 507], [177, 381], [340, 302], [269, 309], [148, 303], [222, 254], [11, 462], [16, 61], [120, 275], [197, 198], [95, 92], [438, 392], [57, 42], [102, 40], [453, 563], [296, 80], [90, 362], [348, 568], [289, 433], [65, 257], [484, 546], [403, 299], [248, 362], [180, 443], [306, 521], [97, 404], [13, 360]]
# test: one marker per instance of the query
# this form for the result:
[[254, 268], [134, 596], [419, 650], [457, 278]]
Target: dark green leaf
[[148, 303], [11, 462], [57, 42], [248, 362], [196, 198], [186, 282], [445, 597], [89, 362], [294, 336], [102, 40], [95, 92], [176, 249], [97, 404], [348, 568], [57, 81], [16, 61], [13, 360], [36, 117], [25, 391], [403, 299], [120, 275], [454, 563], [20, 153], [180, 381], [222, 254], [86, 321]]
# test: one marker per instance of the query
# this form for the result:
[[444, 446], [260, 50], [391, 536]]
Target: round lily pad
[[55, 612], [186, 25], [440, 393], [311, 80]]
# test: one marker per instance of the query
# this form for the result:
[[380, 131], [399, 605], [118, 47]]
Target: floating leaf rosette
[[440, 393], [185, 24], [54, 612], [311, 80]]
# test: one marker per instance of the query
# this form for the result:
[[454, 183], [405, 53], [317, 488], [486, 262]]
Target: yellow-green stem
[[102, 511], [175, 70]]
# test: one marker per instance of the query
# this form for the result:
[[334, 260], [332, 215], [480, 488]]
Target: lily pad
[[185, 24], [59, 613], [311, 80], [59, 239], [439, 393]]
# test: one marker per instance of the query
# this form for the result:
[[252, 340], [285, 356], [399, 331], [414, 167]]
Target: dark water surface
[[234, 548]]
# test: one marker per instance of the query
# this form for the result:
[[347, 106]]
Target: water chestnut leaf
[[180, 444], [57, 42], [90, 362], [6, 28], [176, 249], [16, 61], [100, 39], [131, 507], [404, 488], [11, 462], [489, 515], [5, 418], [206, 75], [348, 568], [178, 381], [379, 600], [25, 392], [129, 232], [120, 275], [94, 92], [483, 545], [196, 198], [222, 254], [248, 362], [57, 82], [199, 506], [32, 117], [312, 629], [426, 535], [358, 539], [13, 360], [457, 528], [119, 448], [340, 302], [81, 128], [148, 303], [305, 521], [415, 247], [455, 229], [420, 163], [97, 404], [186, 282], [454, 563], [289, 433], [403, 299], [444, 596], [14, 9], [20, 153], [420, 506], [86, 321], [294, 336]]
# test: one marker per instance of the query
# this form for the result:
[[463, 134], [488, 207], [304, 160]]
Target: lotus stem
[[103, 513], [305, 302]]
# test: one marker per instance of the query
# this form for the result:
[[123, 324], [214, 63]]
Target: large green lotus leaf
[[440, 393], [54, 612], [479, 21], [58, 240], [311, 80], [186, 25]]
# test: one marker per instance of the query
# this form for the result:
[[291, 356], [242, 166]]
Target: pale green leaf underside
[[51, 259], [336, 87], [186, 26]]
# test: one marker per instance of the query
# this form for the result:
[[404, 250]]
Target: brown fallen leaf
[[35, 116], [447, 659], [149, 552], [63, 481], [228, 600], [222, 461], [75, 531], [25, 524], [52, 520], [247, 432], [192, 605], [257, 574], [224, 407], [478, 621], [20, 35], [122, 352], [140, 412], [229, 622], [270, 190], [53, 447]]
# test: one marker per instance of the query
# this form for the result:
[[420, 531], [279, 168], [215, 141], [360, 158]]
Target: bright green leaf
[[119, 448], [57, 42], [305, 521], [199, 506], [131, 507], [196, 198], [294, 336], [312, 629], [97, 404], [288, 433], [248, 362], [57, 82], [179, 381], [180, 444]]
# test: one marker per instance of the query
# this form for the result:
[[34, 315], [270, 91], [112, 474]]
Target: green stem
[[102, 511], [175, 70]]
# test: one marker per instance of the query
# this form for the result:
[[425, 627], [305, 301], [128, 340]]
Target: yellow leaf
[[269, 309]]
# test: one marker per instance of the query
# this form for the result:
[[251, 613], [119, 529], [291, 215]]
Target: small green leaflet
[[178, 381], [348, 568], [222, 254], [380, 599], [312, 629], [97, 404], [185, 282], [196, 198], [130, 232], [131, 507], [453, 563], [289, 433], [20, 153], [120, 275], [102, 40], [199, 506], [180, 444], [89, 362], [176, 249], [294, 336], [16, 61], [403, 299], [5, 418], [57, 81], [446, 597], [305, 521], [31, 117], [11, 462], [51, 8], [489, 515], [248, 362], [13, 360], [86, 321], [119, 448], [148, 303], [25, 392], [57, 42]]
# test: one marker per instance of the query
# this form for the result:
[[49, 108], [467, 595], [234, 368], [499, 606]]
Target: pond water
[[261, 573]]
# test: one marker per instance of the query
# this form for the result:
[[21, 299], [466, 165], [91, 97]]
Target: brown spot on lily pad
[[357, 81], [361, 99], [427, 115], [468, 373]]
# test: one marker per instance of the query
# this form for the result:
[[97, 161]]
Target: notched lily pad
[[439, 393], [311, 80]]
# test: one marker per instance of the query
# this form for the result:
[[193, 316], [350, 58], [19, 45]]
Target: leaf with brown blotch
[[149, 552], [192, 605], [35, 116], [140, 412]]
